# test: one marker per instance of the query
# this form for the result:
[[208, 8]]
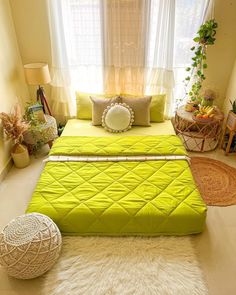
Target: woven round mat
[[216, 181]]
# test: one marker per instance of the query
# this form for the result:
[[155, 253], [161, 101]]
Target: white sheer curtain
[[76, 49], [61, 100], [121, 46], [86, 45], [124, 29], [159, 76]]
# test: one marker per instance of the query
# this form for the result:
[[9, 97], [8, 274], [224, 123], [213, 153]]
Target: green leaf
[[199, 73], [192, 48], [188, 69], [204, 66], [196, 39]]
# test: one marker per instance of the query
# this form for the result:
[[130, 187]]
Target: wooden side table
[[198, 136], [230, 127]]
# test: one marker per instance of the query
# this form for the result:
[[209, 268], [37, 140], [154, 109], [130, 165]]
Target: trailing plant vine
[[205, 36]]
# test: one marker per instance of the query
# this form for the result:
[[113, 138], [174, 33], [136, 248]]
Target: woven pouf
[[29, 246]]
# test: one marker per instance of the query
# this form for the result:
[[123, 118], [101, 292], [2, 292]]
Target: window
[[124, 44], [188, 18]]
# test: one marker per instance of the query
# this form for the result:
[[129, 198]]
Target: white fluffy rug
[[132, 265]]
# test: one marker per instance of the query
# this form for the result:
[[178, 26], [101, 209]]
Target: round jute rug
[[216, 181]]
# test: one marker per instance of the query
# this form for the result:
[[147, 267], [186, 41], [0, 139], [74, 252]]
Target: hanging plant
[[205, 36]]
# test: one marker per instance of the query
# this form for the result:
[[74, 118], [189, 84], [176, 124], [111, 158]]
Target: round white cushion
[[117, 117]]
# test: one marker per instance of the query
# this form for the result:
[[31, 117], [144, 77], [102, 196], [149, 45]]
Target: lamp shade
[[37, 73]]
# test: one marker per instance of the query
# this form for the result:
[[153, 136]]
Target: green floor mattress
[[109, 186]]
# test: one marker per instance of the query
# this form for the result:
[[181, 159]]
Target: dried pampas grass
[[13, 124]]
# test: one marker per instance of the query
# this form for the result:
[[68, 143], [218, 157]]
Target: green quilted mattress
[[87, 193]]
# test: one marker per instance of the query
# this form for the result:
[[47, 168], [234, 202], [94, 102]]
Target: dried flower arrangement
[[14, 127]]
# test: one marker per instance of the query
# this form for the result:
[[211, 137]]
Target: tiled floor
[[216, 246]]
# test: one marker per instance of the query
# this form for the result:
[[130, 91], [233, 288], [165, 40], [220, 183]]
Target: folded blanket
[[118, 146]]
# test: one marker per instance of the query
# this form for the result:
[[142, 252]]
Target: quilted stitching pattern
[[152, 197], [119, 145]]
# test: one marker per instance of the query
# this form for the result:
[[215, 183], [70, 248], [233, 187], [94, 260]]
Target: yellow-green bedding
[[119, 197]]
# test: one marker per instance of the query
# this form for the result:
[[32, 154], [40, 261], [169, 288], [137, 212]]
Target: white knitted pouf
[[29, 246]]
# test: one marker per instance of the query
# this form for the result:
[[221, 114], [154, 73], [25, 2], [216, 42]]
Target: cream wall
[[31, 25], [221, 56], [32, 30], [12, 85], [231, 90]]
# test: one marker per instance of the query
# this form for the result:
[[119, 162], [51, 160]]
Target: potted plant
[[205, 36], [43, 128], [14, 127], [231, 120], [208, 98], [33, 137]]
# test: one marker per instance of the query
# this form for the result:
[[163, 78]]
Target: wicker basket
[[202, 120], [29, 246]]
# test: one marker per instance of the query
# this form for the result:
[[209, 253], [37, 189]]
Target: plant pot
[[231, 121], [202, 120], [20, 155], [207, 102]]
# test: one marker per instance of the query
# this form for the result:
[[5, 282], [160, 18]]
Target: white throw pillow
[[117, 117]]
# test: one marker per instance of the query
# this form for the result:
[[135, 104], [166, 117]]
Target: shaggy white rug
[[129, 265]]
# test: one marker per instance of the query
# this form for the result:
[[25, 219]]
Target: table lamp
[[38, 74]]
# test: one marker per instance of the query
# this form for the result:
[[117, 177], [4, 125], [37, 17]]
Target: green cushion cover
[[84, 104], [120, 198], [157, 109]]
